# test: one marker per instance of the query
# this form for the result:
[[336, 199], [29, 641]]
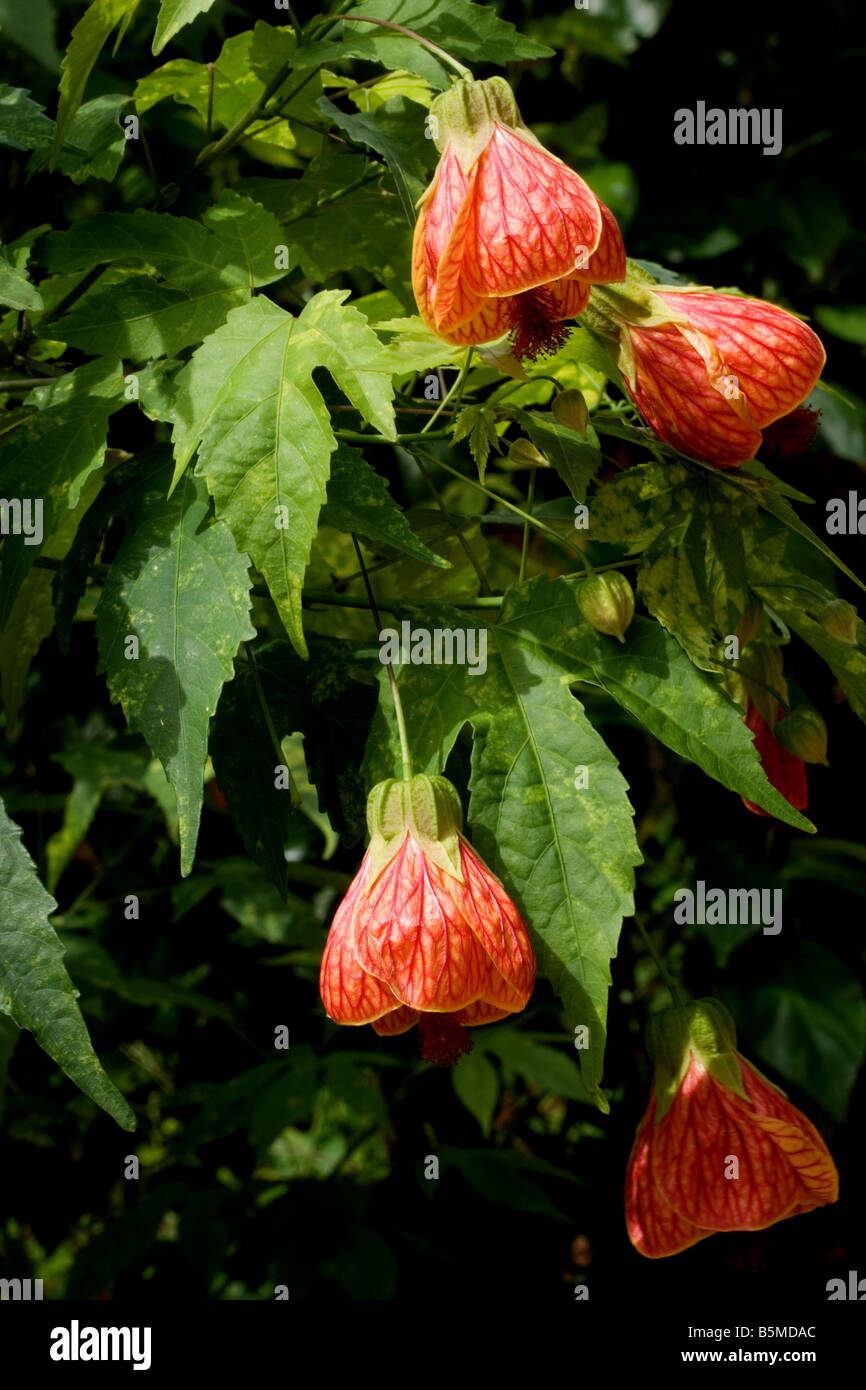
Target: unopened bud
[[803, 733], [839, 619], [607, 602], [570, 409], [523, 454]]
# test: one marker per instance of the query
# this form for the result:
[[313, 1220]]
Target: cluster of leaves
[[214, 378]]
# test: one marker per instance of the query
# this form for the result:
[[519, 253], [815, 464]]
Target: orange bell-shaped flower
[[508, 238], [425, 934], [719, 1148], [708, 371]]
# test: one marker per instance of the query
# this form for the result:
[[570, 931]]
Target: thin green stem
[[392, 679], [457, 386], [401, 29], [20, 383], [524, 552], [357, 437], [295, 23], [388, 605], [662, 968]]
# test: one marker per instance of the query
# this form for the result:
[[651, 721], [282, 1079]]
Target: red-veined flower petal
[[675, 396], [654, 1228], [607, 263], [527, 219], [785, 770], [775, 357], [351, 995]]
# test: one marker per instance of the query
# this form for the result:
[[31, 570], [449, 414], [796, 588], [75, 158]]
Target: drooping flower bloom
[[708, 371], [508, 238], [425, 934], [720, 1148], [785, 770]]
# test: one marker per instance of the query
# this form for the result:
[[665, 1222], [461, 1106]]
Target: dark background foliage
[[308, 1170]]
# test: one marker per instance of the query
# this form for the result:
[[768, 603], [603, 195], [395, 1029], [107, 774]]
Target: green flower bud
[[607, 602], [570, 409], [804, 733], [839, 619], [523, 454]]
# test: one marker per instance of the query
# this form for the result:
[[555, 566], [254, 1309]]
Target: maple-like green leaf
[[179, 586], [544, 1066], [35, 990], [248, 403], [633, 508], [85, 46], [410, 347], [458, 26]]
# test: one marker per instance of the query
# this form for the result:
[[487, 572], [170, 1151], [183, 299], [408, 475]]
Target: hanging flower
[[784, 769], [425, 934], [508, 238], [708, 371], [720, 1148]]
